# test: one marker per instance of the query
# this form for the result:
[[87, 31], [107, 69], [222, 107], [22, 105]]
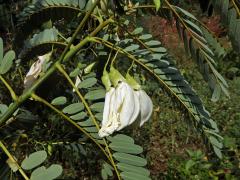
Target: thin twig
[[14, 96], [13, 160]]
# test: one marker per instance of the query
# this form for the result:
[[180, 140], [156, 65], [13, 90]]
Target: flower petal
[[127, 106], [34, 72], [146, 106], [111, 119], [107, 106], [136, 107]]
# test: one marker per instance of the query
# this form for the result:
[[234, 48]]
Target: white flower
[[34, 72], [36, 69], [121, 108]]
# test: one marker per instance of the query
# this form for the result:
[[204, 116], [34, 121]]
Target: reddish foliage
[[213, 23]]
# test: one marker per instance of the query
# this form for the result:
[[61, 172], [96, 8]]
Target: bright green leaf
[[157, 4], [133, 176], [34, 160], [95, 94], [73, 108], [87, 83], [126, 147], [137, 31], [7, 62], [53, 172], [59, 100], [131, 48], [78, 116], [130, 159], [135, 169]]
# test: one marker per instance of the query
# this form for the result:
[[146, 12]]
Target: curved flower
[[35, 70], [121, 108]]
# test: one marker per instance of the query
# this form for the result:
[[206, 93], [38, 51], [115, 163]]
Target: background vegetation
[[172, 148]]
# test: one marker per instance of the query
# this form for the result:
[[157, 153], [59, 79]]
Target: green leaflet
[[41, 43], [131, 48], [59, 101], [106, 170], [126, 147], [73, 108], [86, 123], [130, 159], [7, 61], [79, 116], [53, 172], [153, 43], [133, 176], [135, 169], [87, 83], [137, 31], [34, 160], [121, 138], [3, 109], [145, 36], [97, 107], [95, 94]]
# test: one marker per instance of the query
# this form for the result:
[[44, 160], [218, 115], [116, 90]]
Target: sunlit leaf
[[34, 160], [59, 100]]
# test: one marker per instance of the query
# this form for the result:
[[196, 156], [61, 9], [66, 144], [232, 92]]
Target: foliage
[[86, 39]]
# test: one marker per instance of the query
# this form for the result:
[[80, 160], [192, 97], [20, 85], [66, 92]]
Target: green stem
[[79, 28], [13, 160], [14, 96], [60, 68]]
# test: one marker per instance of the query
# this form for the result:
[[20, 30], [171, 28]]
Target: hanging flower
[[123, 105], [121, 108]]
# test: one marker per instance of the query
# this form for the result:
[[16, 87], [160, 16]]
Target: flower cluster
[[125, 103]]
